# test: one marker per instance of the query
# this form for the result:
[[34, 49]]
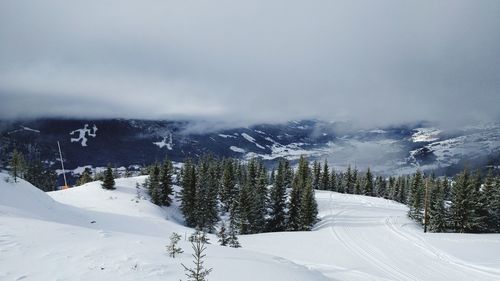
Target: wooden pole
[[62, 165], [426, 203]]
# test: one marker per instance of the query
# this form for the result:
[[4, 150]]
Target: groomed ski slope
[[87, 233]]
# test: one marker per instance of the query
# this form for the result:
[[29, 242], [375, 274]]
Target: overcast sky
[[374, 62]]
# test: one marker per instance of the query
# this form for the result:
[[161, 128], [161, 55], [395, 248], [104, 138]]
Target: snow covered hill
[[87, 233]]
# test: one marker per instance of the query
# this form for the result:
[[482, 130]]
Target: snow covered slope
[[87, 233]]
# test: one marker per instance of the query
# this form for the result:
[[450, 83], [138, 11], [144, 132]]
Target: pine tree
[[109, 181], [490, 197], [199, 272], [349, 181], [461, 205], [437, 210], [316, 175], [355, 180], [172, 248], [39, 176], [232, 240], [222, 235], [206, 195], [228, 185], [262, 199], [479, 216], [333, 181], [165, 189], [273, 176], [245, 208], [393, 189], [381, 187], [357, 186], [416, 202], [495, 205], [403, 190], [86, 177], [17, 165], [299, 183], [341, 182], [325, 177], [368, 183], [188, 193], [308, 208], [154, 184], [277, 205]]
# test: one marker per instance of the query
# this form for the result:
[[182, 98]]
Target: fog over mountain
[[374, 63]]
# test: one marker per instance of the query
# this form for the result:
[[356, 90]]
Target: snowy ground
[[87, 233]]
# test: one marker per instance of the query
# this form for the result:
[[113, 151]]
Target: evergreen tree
[[355, 180], [233, 238], [39, 176], [341, 182], [403, 190], [368, 184], [245, 208], [308, 208], [206, 195], [299, 183], [357, 186], [17, 165], [325, 177], [479, 216], [461, 208], [199, 272], [228, 185], [222, 235], [172, 248], [333, 181], [261, 198], [316, 175], [496, 204], [277, 205], [349, 181], [165, 189], [188, 193], [273, 176], [381, 187], [416, 202], [437, 210], [491, 199], [109, 181], [154, 184], [86, 177], [393, 191]]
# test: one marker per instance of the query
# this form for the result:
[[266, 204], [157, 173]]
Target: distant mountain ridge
[[124, 142]]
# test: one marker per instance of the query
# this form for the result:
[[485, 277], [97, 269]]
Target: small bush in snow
[[172, 249]]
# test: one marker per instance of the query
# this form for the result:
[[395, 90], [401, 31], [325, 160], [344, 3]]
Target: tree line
[[32, 169], [250, 199], [244, 195]]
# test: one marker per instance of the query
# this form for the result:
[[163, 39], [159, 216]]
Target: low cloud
[[374, 63]]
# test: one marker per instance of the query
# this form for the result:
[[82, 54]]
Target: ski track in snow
[[374, 253]]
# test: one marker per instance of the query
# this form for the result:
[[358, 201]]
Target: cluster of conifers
[[247, 196]]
